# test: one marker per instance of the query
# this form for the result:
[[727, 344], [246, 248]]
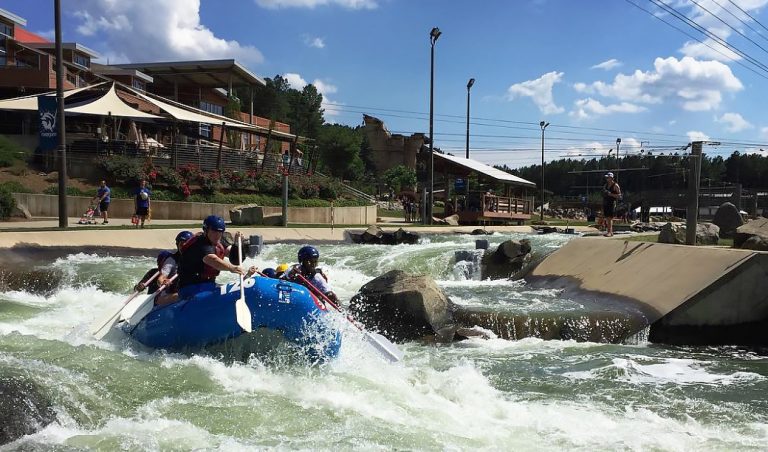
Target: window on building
[[139, 84], [28, 60], [205, 130], [82, 60], [212, 108], [3, 60], [6, 29], [71, 78]]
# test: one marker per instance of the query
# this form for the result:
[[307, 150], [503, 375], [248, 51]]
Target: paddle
[[134, 316], [242, 313], [102, 327], [379, 342]]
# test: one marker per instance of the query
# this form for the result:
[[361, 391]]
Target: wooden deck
[[494, 209]]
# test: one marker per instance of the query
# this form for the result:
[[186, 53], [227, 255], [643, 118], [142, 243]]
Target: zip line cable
[[729, 26], [697, 39], [693, 24], [740, 19], [748, 15]]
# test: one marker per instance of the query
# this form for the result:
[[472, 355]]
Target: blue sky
[[596, 70]]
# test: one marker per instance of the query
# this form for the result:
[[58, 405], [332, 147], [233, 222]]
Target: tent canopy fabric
[[485, 170], [109, 104], [29, 103]]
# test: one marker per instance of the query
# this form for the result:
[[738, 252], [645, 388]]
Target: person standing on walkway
[[611, 193], [142, 202], [103, 199]]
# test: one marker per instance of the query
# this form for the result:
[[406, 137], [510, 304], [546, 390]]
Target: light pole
[[433, 35], [469, 85], [543, 126], [62, 148], [618, 161]]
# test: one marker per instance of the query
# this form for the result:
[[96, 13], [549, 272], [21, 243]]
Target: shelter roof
[[108, 71], [65, 45], [23, 35], [204, 73], [13, 17], [465, 165]]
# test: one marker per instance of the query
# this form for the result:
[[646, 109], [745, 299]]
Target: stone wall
[[390, 150]]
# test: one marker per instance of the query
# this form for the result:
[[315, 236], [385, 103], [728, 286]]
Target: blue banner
[[460, 185], [48, 112]]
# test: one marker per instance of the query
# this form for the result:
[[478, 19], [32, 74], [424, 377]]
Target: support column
[[692, 214]]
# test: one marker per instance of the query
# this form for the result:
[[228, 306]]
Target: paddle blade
[[243, 315], [141, 311], [384, 346], [101, 327]]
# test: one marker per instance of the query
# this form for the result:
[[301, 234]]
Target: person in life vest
[[307, 267], [153, 285], [202, 258], [168, 269]]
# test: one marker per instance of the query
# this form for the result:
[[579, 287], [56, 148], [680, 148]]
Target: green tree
[[305, 111], [339, 151], [400, 177], [271, 101]]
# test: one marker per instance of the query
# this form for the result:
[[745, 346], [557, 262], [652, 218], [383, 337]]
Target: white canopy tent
[[29, 103], [109, 104]]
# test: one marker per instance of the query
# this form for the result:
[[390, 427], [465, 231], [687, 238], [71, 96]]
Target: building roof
[[27, 36], [482, 168], [65, 45], [109, 71], [204, 73], [13, 17]]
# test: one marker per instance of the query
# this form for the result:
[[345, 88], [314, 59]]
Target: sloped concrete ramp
[[693, 295]]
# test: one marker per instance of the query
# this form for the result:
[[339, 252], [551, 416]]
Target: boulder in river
[[508, 260], [728, 219], [753, 235], [405, 307], [23, 408], [374, 235]]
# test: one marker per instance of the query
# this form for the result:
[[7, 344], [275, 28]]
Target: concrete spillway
[[689, 295]]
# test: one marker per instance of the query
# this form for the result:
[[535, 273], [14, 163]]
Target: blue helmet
[[269, 272], [162, 257], [214, 223], [308, 252], [183, 236]]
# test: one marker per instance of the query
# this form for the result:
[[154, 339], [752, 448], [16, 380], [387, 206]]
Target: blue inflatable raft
[[209, 318]]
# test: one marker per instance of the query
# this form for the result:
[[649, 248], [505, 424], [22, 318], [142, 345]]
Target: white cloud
[[160, 30], [734, 122], [587, 108], [695, 135], [608, 64], [697, 85], [349, 4], [317, 43], [540, 91], [296, 81]]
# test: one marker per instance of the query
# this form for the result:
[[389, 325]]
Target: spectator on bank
[[103, 199], [142, 203], [611, 194]]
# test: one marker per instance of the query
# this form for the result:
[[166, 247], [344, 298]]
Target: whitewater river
[[474, 395]]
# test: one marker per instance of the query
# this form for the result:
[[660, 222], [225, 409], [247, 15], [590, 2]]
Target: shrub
[[124, 169], [11, 152], [15, 187], [71, 191], [7, 203]]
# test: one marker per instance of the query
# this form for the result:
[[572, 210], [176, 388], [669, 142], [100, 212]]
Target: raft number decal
[[235, 287]]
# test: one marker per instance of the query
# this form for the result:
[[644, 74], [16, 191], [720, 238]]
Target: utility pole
[[692, 213], [618, 160], [63, 221], [543, 126], [469, 86]]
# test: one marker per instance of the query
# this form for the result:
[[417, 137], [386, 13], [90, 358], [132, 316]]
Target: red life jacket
[[209, 273]]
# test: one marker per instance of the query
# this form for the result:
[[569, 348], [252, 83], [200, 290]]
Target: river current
[[477, 394]]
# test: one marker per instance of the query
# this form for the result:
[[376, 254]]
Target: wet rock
[[405, 307], [508, 259], [480, 232], [374, 235], [23, 408], [728, 219], [755, 232]]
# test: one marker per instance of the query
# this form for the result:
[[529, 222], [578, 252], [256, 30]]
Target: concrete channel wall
[[48, 206], [693, 295]]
